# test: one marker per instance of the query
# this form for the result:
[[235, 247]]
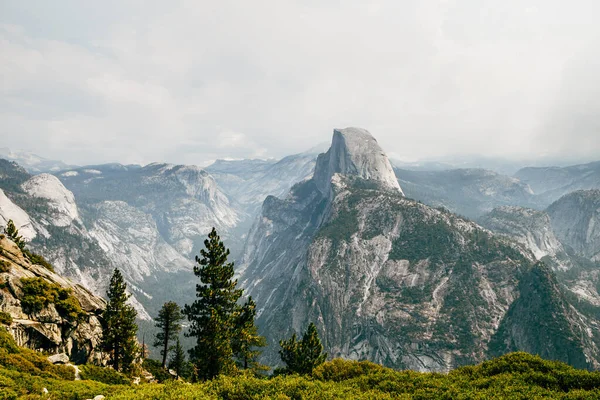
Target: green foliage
[[118, 338], [512, 376], [177, 361], [246, 339], [103, 374], [156, 369], [5, 318], [211, 315], [169, 324], [303, 356], [38, 259], [4, 266], [38, 293], [13, 233]]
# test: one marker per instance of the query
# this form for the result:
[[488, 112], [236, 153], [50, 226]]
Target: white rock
[[9, 210], [61, 200]]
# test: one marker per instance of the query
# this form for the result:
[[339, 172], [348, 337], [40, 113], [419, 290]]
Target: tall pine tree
[[246, 340], [169, 324], [118, 339], [211, 315]]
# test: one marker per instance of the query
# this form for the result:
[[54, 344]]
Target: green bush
[[39, 293], [5, 318], [156, 369], [38, 259], [103, 374], [4, 266]]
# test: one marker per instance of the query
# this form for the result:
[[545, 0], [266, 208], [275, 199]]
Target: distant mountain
[[468, 192], [576, 221], [251, 181], [391, 280], [551, 183], [33, 163]]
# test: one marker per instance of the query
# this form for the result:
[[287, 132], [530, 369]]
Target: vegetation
[[38, 293], [13, 233], [4, 266], [303, 356], [246, 340], [177, 361], [213, 315], [169, 324], [38, 259], [5, 318], [104, 375], [512, 376], [118, 338]]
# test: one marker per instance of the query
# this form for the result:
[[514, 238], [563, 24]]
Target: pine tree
[[211, 315], [177, 361], [290, 354], [246, 339], [169, 322], [311, 355], [13, 233], [118, 338], [301, 357]]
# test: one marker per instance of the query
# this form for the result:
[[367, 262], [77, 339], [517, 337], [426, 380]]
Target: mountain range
[[417, 269]]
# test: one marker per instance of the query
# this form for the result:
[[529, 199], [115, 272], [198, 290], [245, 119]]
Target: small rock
[[60, 358], [99, 397], [136, 380], [172, 372], [44, 391]]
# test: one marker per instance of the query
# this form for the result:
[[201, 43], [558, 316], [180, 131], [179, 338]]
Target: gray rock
[[60, 358]]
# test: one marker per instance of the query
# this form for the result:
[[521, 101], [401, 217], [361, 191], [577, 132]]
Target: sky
[[191, 81]]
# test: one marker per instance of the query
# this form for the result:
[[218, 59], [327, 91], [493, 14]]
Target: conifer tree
[[246, 339], [211, 315], [301, 357], [177, 361], [118, 338], [13, 233], [169, 324]]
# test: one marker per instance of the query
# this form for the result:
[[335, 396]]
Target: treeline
[[227, 339]]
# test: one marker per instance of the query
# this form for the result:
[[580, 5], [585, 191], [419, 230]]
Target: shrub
[[38, 260], [4, 266], [39, 293], [156, 369], [103, 374], [5, 318]]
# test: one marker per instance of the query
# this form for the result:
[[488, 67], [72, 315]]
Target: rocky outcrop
[[48, 330], [530, 227], [354, 152], [60, 200]]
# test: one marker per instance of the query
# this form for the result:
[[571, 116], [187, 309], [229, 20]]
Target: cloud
[[191, 81]]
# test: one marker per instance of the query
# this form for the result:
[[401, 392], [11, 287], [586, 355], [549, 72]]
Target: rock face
[[385, 278], [60, 200], [354, 152], [468, 192], [530, 227], [576, 221], [47, 329]]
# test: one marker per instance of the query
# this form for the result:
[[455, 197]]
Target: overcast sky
[[192, 81]]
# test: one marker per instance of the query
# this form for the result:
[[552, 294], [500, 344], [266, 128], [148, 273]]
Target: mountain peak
[[354, 151]]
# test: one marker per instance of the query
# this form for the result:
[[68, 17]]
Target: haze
[[189, 82]]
